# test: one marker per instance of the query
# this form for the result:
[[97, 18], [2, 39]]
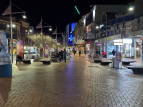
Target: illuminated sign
[[77, 10], [101, 26]]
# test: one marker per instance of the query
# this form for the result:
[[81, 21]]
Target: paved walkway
[[76, 83]]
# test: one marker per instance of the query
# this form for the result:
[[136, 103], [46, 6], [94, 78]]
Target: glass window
[[3, 25], [7, 27]]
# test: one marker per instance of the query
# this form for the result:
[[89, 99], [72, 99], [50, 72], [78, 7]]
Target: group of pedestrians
[[74, 51], [62, 55]]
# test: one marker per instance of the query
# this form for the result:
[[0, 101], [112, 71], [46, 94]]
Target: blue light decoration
[[73, 26], [71, 38]]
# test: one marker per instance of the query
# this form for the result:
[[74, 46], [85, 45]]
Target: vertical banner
[[46, 51], [20, 49]]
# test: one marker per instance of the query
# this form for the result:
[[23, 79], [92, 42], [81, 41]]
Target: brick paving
[[76, 83]]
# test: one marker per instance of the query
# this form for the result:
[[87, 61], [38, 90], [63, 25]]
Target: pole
[[42, 38], [28, 37], [11, 36], [106, 37], [56, 34]]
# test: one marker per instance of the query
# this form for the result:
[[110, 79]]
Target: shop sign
[[98, 44], [96, 41]]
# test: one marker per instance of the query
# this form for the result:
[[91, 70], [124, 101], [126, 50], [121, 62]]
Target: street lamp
[[41, 26], [8, 11], [106, 30], [24, 16], [50, 29]]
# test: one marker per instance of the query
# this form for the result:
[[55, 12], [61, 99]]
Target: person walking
[[85, 52], [19, 59], [97, 52], [74, 52], [79, 53], [64, 55], [113, 52]]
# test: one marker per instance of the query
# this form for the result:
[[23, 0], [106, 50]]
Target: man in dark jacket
[[65, 55], [113, 52], [79, 53]]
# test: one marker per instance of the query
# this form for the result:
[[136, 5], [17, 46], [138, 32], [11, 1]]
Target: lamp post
[[8, 11], [56, 32], [106, 31], [41, 26], [28, 31]]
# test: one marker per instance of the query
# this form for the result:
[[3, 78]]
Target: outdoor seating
[[136, 69], [48, 62], [54, 59], [127, 62], [97, 60], [27, 61], [105, 62]]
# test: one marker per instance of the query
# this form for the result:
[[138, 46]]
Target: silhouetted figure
[[79, 53], [65, 55], [113, 52]]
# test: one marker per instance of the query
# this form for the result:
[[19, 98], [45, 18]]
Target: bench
[[97, 61], [105, 62], [27, 61], [136, 69], [127, 62], [54, 59], [37, 60], [46, 62]]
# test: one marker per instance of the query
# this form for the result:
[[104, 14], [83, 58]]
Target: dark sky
[[56, 13]]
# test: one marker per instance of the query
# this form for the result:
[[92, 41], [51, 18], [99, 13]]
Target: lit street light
[[50, 29], [24, 16]]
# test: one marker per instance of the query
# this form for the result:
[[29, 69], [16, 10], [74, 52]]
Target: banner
[[20, 49], [46, 51]]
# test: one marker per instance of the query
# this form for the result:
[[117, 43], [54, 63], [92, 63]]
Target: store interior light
[[118, 40], [118, 43], [127, 40]]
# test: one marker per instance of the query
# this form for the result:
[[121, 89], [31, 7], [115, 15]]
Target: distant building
[[19, 31], [69, 34]]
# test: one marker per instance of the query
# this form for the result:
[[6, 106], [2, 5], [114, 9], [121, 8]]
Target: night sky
[[56, 13]]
